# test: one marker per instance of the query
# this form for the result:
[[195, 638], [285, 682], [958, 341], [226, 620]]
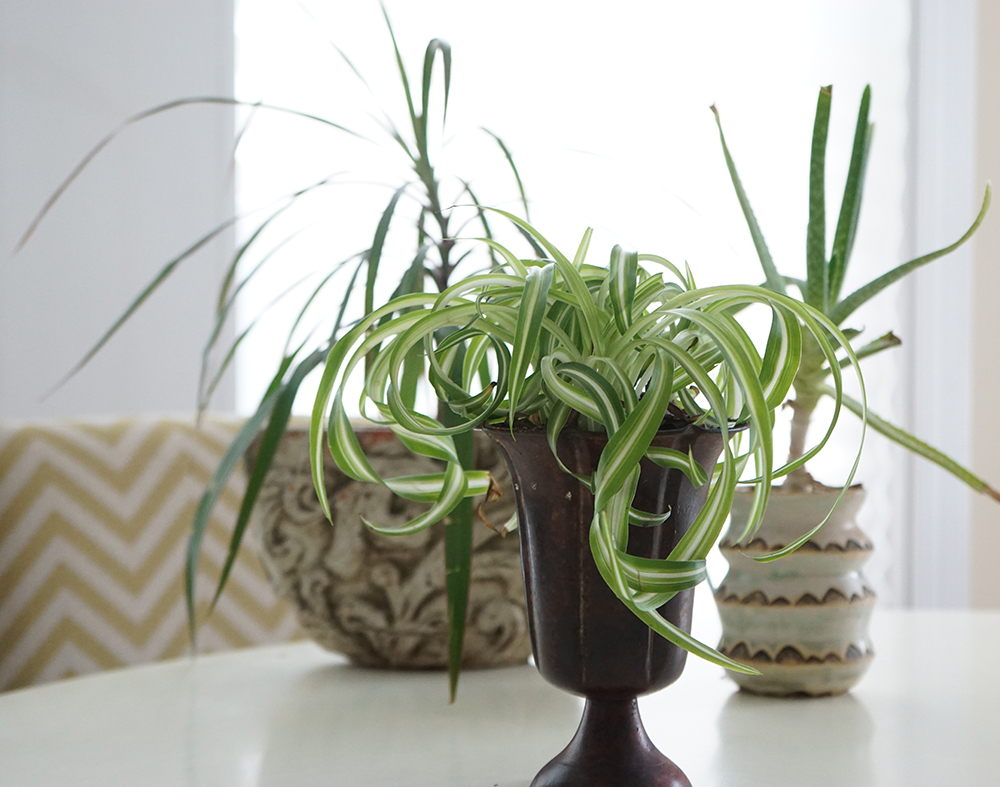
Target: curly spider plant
[[558, 341], [823, 285], [416, 209]]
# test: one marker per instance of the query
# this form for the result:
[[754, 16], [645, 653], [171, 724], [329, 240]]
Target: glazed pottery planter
[[380, 600], [585, 640], [802, 621]]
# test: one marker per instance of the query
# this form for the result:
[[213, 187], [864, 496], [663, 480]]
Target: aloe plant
[[826, 268], [558, 341], [434, 257]]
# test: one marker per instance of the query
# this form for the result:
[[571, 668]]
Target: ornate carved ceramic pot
[[585, 640], [380, 600], [802, 621]]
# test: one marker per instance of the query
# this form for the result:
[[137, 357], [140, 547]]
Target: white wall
[[70, 72], [944, 182]]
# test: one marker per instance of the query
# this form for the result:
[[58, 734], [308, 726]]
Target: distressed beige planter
[[381, 600], [802, 621]]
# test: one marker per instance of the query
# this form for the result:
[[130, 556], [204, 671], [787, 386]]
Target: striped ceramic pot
[[802, 621]]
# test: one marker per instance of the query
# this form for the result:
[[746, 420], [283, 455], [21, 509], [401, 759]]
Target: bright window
[[607, 114]]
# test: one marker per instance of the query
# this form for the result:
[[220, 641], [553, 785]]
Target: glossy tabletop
[[927, 713]]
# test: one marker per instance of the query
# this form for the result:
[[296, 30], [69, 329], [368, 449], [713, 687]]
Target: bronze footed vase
[[585, 641]]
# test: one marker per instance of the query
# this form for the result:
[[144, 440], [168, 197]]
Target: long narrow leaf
[[850, 206], [816, 266], [846, 307], [774, 279], [919, 447]]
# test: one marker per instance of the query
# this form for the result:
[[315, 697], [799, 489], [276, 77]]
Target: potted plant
[[805, 627], [416, 209], [612, 392]]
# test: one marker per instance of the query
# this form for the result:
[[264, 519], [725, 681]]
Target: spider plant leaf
[[781, 357], [678, 460], [850, 206], [661, 576], [513, 169], [847, 306], [574, 281], [664, 262], [629, 443], [599, 393], [583, 248], [529, 320], [623, 267], [774, 279], [918, 446], [653, 619], [378, 243], [233, 455], [427, 488], [269, 443], [453, 489], [816, 264], [433, 445], [516, 265], [341, 437]]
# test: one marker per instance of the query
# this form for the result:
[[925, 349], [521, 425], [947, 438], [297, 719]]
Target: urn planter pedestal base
[[611, 749], [584, 639]]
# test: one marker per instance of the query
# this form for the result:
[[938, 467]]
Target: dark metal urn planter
[[584, 639]]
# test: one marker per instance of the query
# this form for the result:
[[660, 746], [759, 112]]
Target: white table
[[927, 713]]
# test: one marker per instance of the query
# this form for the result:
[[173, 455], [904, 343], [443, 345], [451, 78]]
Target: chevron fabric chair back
[[94, 519]]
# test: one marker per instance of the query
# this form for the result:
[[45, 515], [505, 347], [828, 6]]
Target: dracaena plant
[[826, 269], [615, 349], [417, 209]]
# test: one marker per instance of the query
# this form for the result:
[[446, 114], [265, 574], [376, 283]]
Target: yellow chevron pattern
[[94, 519]]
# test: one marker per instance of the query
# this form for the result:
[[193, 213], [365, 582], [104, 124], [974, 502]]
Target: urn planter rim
[[677, 427]]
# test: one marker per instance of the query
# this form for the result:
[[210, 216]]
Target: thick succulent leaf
[[919, 447], [816, 265], [846, 307], [850, 206]]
